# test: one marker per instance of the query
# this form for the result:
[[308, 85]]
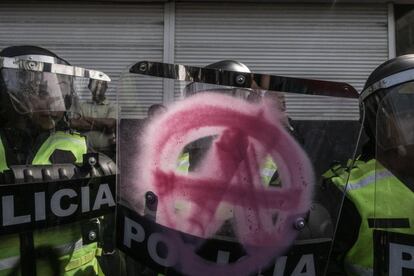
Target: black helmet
[[32, 53], [20, 90], [381, 81], [388, 102]]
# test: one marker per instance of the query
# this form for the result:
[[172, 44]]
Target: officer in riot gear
[[317, 224], [374, 234], [37, 89], [97, 119], [218, 214]]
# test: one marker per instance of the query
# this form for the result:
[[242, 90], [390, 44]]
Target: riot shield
[[392, 184], [218, 181], [56, 191]]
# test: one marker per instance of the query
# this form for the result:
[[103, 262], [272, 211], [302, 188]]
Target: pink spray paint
[[229, 174]]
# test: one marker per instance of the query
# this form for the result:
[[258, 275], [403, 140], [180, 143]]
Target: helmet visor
[[32, 91], [395, 118], [98, 88], [393, 178]]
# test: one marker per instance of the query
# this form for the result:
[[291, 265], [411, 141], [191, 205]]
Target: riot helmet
[[155, 110], [227, 65], [98, 89], [387, 106], [38, 88], [42, 97]]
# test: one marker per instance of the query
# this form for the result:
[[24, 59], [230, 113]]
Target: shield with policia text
[[57, 192], [220, 173]]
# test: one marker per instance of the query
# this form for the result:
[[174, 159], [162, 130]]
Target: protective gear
[[379, 188], [395, 118], [37, 92], [59, 140], [366, 183], [220, 209], [37, 88], [28, 52], [381, 81], [74, 254], [228, 65], [98, 89], [42, 96], [388, 101]]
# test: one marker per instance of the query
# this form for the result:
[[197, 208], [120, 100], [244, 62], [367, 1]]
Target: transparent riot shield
[[57, 192], [391, 184], [218, 181]]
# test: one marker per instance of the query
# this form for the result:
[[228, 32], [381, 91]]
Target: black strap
[[388, 223], [27, 253]]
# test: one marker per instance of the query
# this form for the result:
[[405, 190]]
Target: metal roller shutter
[[102, 36], [330, 42]]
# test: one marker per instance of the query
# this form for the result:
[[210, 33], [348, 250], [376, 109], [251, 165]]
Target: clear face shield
[[58, 191], [37, 91], [395, 132], [98, 89], [44, 91], [216, 184], [395, 121], [393, 183]]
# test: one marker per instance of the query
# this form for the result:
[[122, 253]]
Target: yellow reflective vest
[[376, 193], [75, 258]]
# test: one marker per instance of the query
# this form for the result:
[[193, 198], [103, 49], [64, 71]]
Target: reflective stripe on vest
[[371, 184], [60, 237], [9, 263], [61, 141]]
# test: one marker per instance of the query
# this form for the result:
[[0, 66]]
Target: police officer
[[375, 226], [97, 120], [316, 229], [34, 131]]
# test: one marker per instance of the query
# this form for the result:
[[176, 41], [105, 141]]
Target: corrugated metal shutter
[[102, 36], [330, 42]]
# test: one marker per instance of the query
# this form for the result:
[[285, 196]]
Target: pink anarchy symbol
[[228, 178]]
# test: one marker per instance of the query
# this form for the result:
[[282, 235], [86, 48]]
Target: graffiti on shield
[[226, 186]]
